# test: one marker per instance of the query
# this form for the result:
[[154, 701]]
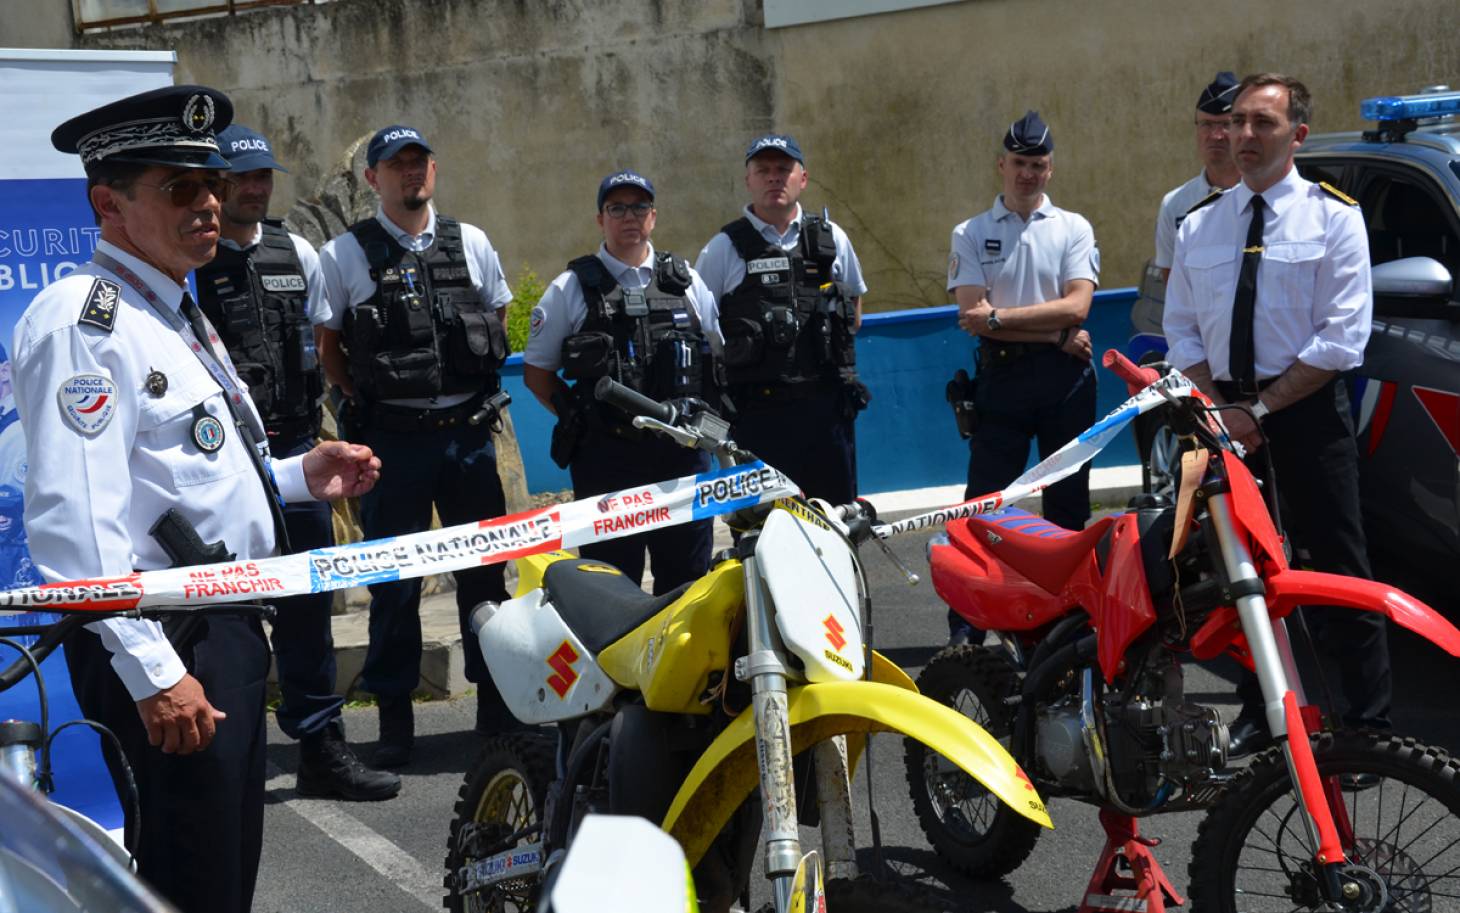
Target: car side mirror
[[1410, 288]]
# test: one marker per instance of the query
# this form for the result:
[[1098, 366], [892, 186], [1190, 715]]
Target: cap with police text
[[1029, 135], [247, 150], [174, 125], [775, 142], [1217, 97], [388, 141], [623, 179]]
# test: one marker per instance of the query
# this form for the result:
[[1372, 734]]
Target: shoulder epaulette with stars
[[100, 309], [1206, 201], [1337, 194]]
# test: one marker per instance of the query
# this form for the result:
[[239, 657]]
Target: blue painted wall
[[906, 438]]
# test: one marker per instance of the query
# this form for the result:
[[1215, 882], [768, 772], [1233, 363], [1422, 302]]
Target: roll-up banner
[[46, 231]]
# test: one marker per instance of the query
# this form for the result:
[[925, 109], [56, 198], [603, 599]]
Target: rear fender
[[1290, 589], [531, 568], [726, 773]]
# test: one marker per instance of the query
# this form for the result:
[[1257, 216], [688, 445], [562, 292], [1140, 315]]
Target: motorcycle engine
[[1150, 736]]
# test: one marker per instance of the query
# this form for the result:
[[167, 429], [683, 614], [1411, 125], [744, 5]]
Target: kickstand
[[1143, 882]]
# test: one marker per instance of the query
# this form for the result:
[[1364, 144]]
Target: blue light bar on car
[[1410, 107]]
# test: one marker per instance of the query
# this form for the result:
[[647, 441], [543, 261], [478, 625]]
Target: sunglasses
[[182, 191]]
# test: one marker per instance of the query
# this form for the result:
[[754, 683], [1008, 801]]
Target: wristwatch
[[1259, 409], [994, 322]]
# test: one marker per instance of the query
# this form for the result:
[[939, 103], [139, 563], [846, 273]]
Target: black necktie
[[191, 311], [1242, 364]]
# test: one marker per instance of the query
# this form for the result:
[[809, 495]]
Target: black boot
[[328, 769], [397, 732], [493, 717]]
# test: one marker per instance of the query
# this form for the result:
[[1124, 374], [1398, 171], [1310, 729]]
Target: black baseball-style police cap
[[388, 141], [1218, 96], [174, 125], [247, 149], [1029, 135], [623, 178], [775, 142]]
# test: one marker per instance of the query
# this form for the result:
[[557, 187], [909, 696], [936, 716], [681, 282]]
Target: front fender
[[1289, 589], [726, 773]]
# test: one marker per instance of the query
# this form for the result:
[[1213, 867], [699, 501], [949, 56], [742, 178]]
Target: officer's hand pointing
[[339, 469], [179, 720]]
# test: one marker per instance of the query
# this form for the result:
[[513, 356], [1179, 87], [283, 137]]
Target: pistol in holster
[[962, 393], [568, 432]]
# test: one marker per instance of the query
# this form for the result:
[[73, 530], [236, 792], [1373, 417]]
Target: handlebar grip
[[610, 391], [1136, 378]]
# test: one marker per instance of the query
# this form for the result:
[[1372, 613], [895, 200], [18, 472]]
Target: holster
[[962, 396], [855, 397], [568, 432]]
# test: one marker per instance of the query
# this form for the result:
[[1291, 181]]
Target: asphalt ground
[[324, 856]]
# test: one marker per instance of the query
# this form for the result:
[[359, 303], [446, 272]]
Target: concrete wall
[[530, 102]]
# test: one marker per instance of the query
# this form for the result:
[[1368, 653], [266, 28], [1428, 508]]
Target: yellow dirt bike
[[742, 698]]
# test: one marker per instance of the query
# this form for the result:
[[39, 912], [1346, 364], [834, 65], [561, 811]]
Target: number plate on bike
[[811, 574]]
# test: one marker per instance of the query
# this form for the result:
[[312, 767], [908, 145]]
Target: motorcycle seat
[[598, 603], [1044, 553]]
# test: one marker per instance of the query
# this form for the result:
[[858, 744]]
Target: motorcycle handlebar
[[610, 391], [1136, 378]]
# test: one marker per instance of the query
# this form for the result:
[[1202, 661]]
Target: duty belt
[[389, 417], [993, 353], [1232, 391], [752, 395]]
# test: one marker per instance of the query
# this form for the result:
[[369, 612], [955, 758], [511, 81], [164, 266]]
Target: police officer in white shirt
[[647, 320], [790, 291], [415, 339], [1219, 170], [1269, 300], [1024, 274], [132, 407]]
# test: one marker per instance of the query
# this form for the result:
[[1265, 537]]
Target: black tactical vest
[[787, 322], [425, 331], [258, 301], [648, 339]]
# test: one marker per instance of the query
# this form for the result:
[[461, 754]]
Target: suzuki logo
[[564, 675], [834, 633]]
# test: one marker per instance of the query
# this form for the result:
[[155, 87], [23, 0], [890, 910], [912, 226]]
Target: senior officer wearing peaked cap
[[263, 292], [1269, 301], [415, 338], [790, 290], [1219, 170], [1024, 274], [646, 319], [132, 408]]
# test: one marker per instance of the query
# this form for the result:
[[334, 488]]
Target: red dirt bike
[[1087, 693]]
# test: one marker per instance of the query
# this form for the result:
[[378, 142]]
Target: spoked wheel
[[968, 825], [495, 828], [1397, 808]]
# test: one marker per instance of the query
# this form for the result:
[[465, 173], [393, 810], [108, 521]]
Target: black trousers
[[1316, 460], [606, 463], [811, 439], [304, 646], [202, 815]]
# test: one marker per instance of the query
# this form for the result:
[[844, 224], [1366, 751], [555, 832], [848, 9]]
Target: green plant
[[527, 289]]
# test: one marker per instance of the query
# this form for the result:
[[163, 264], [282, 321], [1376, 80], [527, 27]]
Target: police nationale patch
[[952, 265], [538, 318], [88, 401], [100, 309]]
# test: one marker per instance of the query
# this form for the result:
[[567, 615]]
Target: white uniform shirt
[[91, 497], [347, 280], [562, 309], [317, 305], [1023, 262], [1174, 207], [723, 269], [1314, 301]]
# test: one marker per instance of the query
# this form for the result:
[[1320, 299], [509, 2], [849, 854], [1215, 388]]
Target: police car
[[1405, 173]]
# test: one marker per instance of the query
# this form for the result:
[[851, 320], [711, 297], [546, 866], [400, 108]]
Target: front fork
[[765, 668], [1282, 695]]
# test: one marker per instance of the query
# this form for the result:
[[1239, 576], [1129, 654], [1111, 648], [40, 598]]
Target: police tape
[[1059, 465], [454, 548]]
